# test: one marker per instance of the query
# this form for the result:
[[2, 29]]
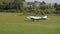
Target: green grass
[[11, 24]]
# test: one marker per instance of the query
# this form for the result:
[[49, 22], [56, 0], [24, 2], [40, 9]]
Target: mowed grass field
[[11, 23]]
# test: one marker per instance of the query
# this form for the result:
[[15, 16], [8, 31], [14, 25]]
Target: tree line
[[30, 7]]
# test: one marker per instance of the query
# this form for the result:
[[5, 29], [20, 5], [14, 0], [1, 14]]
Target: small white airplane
[[36, 17]]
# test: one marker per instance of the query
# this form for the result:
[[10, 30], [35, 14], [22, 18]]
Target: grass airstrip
[[11, 23]]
